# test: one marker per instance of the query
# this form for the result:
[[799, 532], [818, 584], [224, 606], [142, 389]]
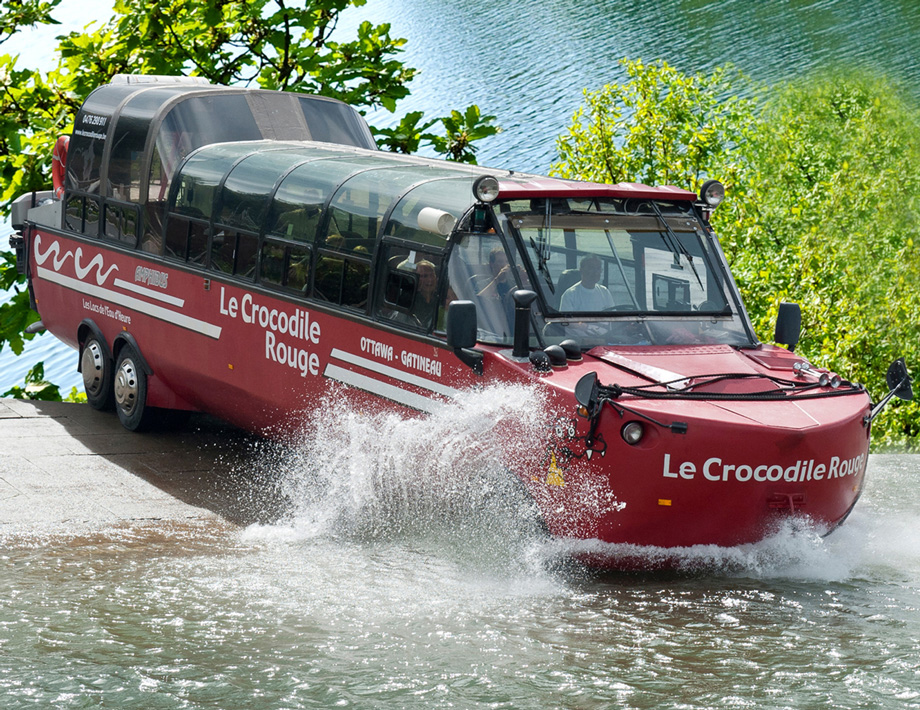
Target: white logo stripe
[[406, 377], [382, 389], [150, 293], [151, 309]]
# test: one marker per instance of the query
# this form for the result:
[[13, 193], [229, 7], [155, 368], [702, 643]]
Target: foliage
[[25, 13], [661, 127], [36, 387], [462, 129], [268, 43], [407, 135], [831, 220], [823, 204], [15, 314]]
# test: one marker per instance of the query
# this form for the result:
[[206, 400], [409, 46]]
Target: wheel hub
[[92, 365], [126, 386]]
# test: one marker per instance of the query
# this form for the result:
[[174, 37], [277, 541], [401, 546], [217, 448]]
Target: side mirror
[[788, 325], [461, 334], [898, 380], [586, 393], [461, 324]]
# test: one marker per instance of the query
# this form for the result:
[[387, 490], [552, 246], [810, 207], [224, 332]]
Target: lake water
[[395, 577], [527, 62], [407, 590]]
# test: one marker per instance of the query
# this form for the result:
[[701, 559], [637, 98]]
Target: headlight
[[632, 432], [712, 193], [485, 188]]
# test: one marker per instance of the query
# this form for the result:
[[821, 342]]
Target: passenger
[[587, 294], [501, 281], [335, 241], [298, 272], [298, 224], [425, 306], [357, 278], [329, 271]]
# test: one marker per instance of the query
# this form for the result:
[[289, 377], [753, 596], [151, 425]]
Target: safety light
[[485, 188], [572, 350], [556, 354], [632, 432], [540, 361], [712, 193]]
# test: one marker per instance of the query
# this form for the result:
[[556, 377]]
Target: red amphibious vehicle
[[241, 252]]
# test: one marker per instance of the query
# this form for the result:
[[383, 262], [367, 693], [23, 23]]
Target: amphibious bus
[[243, 252]]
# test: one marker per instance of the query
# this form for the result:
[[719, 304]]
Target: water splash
[[795, 550], [440, 484], [439, 480]]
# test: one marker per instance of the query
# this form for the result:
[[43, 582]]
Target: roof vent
[[158, 79]]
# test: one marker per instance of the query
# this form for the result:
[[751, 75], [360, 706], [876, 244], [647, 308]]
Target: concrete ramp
[[70, 464]]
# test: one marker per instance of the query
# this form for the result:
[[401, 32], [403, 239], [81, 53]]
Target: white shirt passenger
[[579, 298]]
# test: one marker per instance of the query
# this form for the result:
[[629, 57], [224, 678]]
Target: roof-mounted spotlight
[[485, 188], [712, 193]]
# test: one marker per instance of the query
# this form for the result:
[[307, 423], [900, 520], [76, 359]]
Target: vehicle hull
[[261, 359], [721, 483]]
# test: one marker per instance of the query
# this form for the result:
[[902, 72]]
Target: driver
[[587, 294]]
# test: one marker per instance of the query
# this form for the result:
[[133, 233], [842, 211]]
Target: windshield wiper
[[541, 265], [544, 250], [676, 246]]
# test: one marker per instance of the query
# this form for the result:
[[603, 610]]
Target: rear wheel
[[130, 389], [96, 368]]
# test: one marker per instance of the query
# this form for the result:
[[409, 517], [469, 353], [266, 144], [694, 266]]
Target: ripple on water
[[295, 615]]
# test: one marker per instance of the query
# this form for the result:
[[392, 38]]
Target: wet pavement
[[69, 464]]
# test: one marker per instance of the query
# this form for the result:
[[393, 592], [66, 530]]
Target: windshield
[[648, 277]]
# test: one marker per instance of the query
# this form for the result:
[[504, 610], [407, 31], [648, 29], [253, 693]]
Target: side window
[[342, 279], [285, 265], [91, 217], [187, 239], [409, 288], [152, 241], [73, 215], [297, 223], [124, 176], [234, 253], [354, 285], [198, 243], [274, 258], [82, 215], [189, 125], [342, 274], [223, 248], [247, 251], [357, 231], [129, 226], [120, 224], [330, 271], [479, 270], [293, 219], [177, 237]]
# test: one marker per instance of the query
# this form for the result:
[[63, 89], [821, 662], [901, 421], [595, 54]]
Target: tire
[[96, 368], [130, 390]]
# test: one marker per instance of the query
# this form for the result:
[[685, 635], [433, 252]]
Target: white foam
[[440, 479]]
